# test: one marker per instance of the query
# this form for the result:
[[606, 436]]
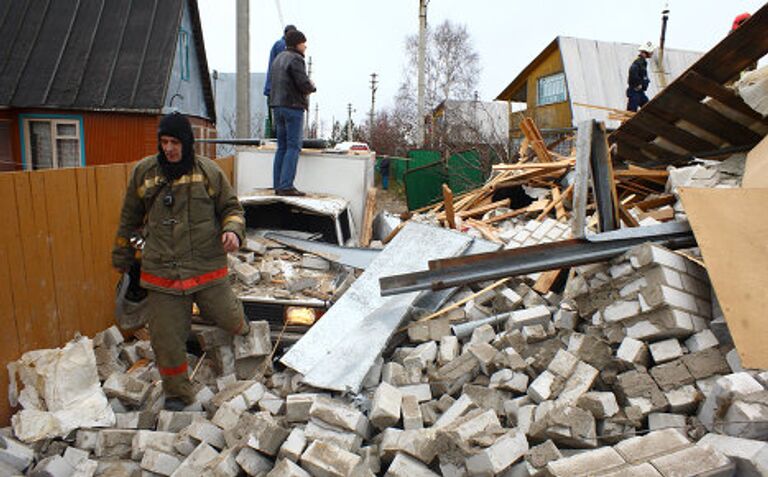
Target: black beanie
[[289, 28], [294, 37], [176, 125]]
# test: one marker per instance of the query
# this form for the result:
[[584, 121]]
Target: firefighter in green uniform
[[190, 218]]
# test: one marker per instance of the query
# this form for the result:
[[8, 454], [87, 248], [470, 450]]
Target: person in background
[[290, 90], [277, 48], [637, 81]]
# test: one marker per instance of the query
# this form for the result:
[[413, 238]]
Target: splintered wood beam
[[370, 211], [448, 201], [559, 207], [554, 202], [508, 215], [626, 217], [656, 202], [546, 280], [532, 133]]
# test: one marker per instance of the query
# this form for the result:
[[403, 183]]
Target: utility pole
[[243, 81], [349, 122], [317, 121], [374, 87], [420, 61], [306, 124]]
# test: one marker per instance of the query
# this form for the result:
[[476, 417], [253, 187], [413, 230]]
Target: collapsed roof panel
[[698, 113]]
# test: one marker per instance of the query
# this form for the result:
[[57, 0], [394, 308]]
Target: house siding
[[551, 116], [109, 138]]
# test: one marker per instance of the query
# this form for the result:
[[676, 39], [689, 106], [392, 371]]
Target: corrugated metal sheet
[[596, 73], [94, 54]]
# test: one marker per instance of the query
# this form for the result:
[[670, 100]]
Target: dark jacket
[[638, 75], [290, 83], [277, 48], [183, 251]]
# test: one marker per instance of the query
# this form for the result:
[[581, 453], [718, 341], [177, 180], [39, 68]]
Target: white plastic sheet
[[61, 392]]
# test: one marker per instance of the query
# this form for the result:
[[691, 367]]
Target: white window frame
[[551, 99], [53, 121]]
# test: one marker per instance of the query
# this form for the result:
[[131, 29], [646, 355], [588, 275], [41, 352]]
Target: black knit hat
[[289, 28], [176, 125], [294, 37]]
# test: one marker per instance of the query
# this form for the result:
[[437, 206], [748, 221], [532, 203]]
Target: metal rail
[[492, 266]]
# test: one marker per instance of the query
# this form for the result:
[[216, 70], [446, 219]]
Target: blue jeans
[[289, 125], [637, 99]]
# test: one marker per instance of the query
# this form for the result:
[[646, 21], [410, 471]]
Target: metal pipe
[[465, 329]]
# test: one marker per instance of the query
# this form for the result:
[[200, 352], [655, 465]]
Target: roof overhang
[[516, 90]]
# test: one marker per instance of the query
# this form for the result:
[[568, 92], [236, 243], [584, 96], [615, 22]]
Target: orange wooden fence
[[57, 228]]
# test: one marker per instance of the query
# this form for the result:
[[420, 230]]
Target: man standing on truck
[[290, 89], [190, 217], [277, 48], [637, 80]]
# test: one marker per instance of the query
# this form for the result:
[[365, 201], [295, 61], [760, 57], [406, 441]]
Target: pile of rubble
[[618, 376], [623, 368]]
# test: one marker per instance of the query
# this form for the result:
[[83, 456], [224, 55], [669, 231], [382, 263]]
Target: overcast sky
[[350, 39]]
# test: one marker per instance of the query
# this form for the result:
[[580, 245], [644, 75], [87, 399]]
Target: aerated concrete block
[[159, 462], [701, 341], [252, 462], [695, 460], [600, 404], [586, 463], [327, 460], [412, 418], [385, 408], [406, 466], [293, 446], [750, 456], [15, 454], [493, 460], [143, 440], [256, 343]]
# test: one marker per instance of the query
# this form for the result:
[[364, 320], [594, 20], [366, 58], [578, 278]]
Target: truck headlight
[[300, 315]]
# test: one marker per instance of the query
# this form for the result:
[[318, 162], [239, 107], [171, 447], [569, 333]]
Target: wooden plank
[[12, 285], [732, 241], [658, 154], [568, 191], [706, 118], [526, 166], [651, 123], [366, 231], [508, 215], [559, 207], [62, 208], [110, 182], [697, 83], [483, 209], [653, 203], [546, 280], [41, 329], [627, 218], [448, 201], [87, 287], [535, 139]]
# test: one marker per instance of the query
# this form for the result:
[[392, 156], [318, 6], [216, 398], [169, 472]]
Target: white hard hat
[[648, 47]]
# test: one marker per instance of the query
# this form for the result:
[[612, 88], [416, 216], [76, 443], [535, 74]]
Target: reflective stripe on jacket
[[185, 220]]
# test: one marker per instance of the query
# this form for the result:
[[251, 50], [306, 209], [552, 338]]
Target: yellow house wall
[[551, 116]]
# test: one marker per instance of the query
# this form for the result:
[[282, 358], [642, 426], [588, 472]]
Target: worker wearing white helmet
[[637, 81]]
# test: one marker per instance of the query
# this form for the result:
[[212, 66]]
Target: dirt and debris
[[621, 367]]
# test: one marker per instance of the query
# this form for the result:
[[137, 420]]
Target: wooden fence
[[57, 228]]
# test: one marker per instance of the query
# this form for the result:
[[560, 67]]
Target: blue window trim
[[184, 54], [538, 89], [26, 116]]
